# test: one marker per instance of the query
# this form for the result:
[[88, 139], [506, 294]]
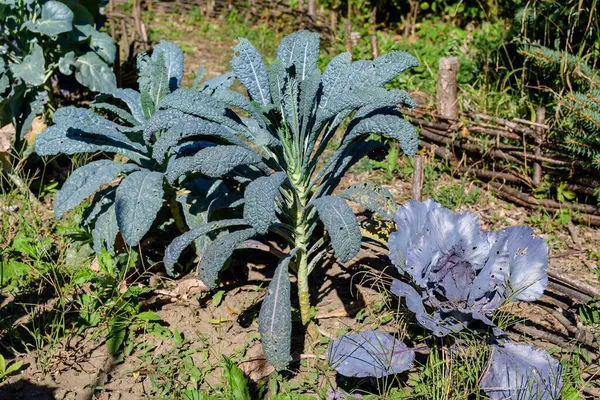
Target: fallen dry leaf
[[95, 265], [37, 126], [7, 137], [256, 368], [190, 287]]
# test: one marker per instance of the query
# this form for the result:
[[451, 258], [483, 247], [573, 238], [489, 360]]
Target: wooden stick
[[374, 46], [417, 183], [574, 283], [447, 88], [549, 337], [537, 167]]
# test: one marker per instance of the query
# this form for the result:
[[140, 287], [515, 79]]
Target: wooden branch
[[417, 183], [573, 294], [592, 211], [565, 279], [537, 166], [550, 337]]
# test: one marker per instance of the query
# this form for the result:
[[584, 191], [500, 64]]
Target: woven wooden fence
[[512, 157]]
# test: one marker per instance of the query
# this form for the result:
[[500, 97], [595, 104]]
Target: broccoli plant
[[129, 205], [37, 40], [285, 125]]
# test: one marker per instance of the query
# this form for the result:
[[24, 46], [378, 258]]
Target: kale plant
[[40, 38], [275, 146], [129, 205], [458, 275]]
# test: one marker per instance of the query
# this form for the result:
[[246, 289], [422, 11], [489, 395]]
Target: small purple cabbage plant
[[460, 274], [456, 276]]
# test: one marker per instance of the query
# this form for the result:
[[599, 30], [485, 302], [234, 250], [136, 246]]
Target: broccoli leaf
[[66, 62], [138, 199], [56, 18], [103, 44], [94, 73], [31, 69], [275, 317]]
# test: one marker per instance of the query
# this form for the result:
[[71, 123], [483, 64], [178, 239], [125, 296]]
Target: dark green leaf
[[338, 218], [85, 180], [218, 253], [373, 197], [105, 230], [212, 161], [174, 250], [300, 49], [260, 197], [138, 199], [275, 317], [250, 70]]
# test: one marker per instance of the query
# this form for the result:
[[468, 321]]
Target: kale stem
[[303, 294], [176, 211], [302, 240]]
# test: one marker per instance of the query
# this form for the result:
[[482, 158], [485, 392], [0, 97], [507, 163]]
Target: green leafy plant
[[129, 206], [293, 112], [40, 40], [7, 370]]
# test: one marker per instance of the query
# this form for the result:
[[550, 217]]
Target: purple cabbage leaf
[[521, 372], [338, 394], [369, 354]]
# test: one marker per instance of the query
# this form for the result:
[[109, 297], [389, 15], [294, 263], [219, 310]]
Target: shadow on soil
[[25, 390]]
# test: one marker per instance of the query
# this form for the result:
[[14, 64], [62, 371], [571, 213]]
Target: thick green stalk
[[302, 242], [176, 211], [303, 293]]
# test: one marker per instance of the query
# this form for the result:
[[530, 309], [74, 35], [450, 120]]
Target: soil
[[82, 366], [230, 329]]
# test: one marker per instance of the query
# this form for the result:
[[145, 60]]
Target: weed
[[456, 195], [7, 370]]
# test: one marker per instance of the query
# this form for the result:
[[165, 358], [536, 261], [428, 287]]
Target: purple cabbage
[[521, 372], [369, 354], [459, 273], [338, 394]]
